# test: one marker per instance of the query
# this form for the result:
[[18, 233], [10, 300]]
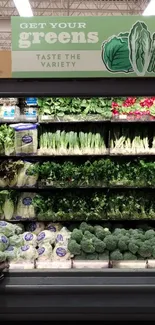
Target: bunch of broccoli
[[96, 242]]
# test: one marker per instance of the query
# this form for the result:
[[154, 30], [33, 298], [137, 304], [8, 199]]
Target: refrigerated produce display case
[[77, 193]]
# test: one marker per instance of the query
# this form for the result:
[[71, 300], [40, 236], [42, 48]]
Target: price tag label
[[8, 112]]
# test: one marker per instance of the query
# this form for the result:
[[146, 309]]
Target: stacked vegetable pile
[[18, 173], [7, 138], [97, 242], [69, 174], [94, 109], [15, 245], [138, 173], [131, 205], [17, 206], [134, 108], [131, 141], [102, 172], [74, 109], [42, 242], [71, 143], [69, 206]]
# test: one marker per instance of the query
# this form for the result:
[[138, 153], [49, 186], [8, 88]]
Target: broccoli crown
[[99, 245], [120, 231], [81, 257], [153, 252], [133, 246], [93, 256], [85, 226], [152, 241], [145, 249], [149, 234], [116, 255], [104, 256], [117, 232], [111, 242], [129, 256], [101, 232], [87, 245], [88, 235], [74, 247], [123, 243], [77, 235], [138, 235], [133, 231]]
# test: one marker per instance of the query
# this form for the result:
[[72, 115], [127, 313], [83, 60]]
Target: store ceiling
[[67, 8]]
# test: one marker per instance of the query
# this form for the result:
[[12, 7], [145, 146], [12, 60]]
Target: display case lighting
[[150, 9], [24, 8]]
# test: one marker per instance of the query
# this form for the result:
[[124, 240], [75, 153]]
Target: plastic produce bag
[[27, 252], [30, 239], [16, 240], [8, 209], [35, 227], [2, 256], [61, 253], [63, 236], [54, 227], [9, 229], [26, 141], [26, 176], [46, 236], [45, 252], [21, 227], [11, 253], [29, 112], [4, 243], [10, 112], [25, 208]]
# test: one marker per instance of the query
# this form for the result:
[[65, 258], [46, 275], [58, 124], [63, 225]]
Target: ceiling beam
[[48, 10]]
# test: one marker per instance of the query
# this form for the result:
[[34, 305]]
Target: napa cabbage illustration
[[133, 51]]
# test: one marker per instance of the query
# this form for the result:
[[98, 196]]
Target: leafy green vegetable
[[151, 67], [115, 54], [140, 45], [70, 109]]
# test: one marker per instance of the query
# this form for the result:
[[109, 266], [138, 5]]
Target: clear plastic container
[[26, 139], [29, 111]]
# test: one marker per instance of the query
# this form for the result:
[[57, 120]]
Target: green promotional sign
[[60, 47]]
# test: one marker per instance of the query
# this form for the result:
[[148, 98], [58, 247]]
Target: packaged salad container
[[26, 139]]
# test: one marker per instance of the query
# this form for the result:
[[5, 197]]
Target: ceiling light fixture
[[24, 8], [150, 9]]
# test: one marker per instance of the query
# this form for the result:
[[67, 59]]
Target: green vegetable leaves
[[140, 45], [133, 51], [74, 109], [115, 54]]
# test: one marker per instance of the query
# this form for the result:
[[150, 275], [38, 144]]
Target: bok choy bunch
[[129, 141], [71, 143]]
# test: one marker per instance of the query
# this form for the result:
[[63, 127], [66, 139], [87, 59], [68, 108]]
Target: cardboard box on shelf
[[5, 64]]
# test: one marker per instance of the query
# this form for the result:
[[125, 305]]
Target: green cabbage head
[[115, 54]]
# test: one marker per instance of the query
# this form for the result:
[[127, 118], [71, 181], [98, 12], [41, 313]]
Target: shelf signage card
[[58, 47]]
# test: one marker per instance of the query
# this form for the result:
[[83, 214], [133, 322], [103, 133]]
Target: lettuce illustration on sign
[[115, 54], [140, 46], [130, 52], [151, 67]]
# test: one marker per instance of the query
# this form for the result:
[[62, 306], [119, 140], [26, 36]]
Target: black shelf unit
[[77, 294], [92, 87]]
